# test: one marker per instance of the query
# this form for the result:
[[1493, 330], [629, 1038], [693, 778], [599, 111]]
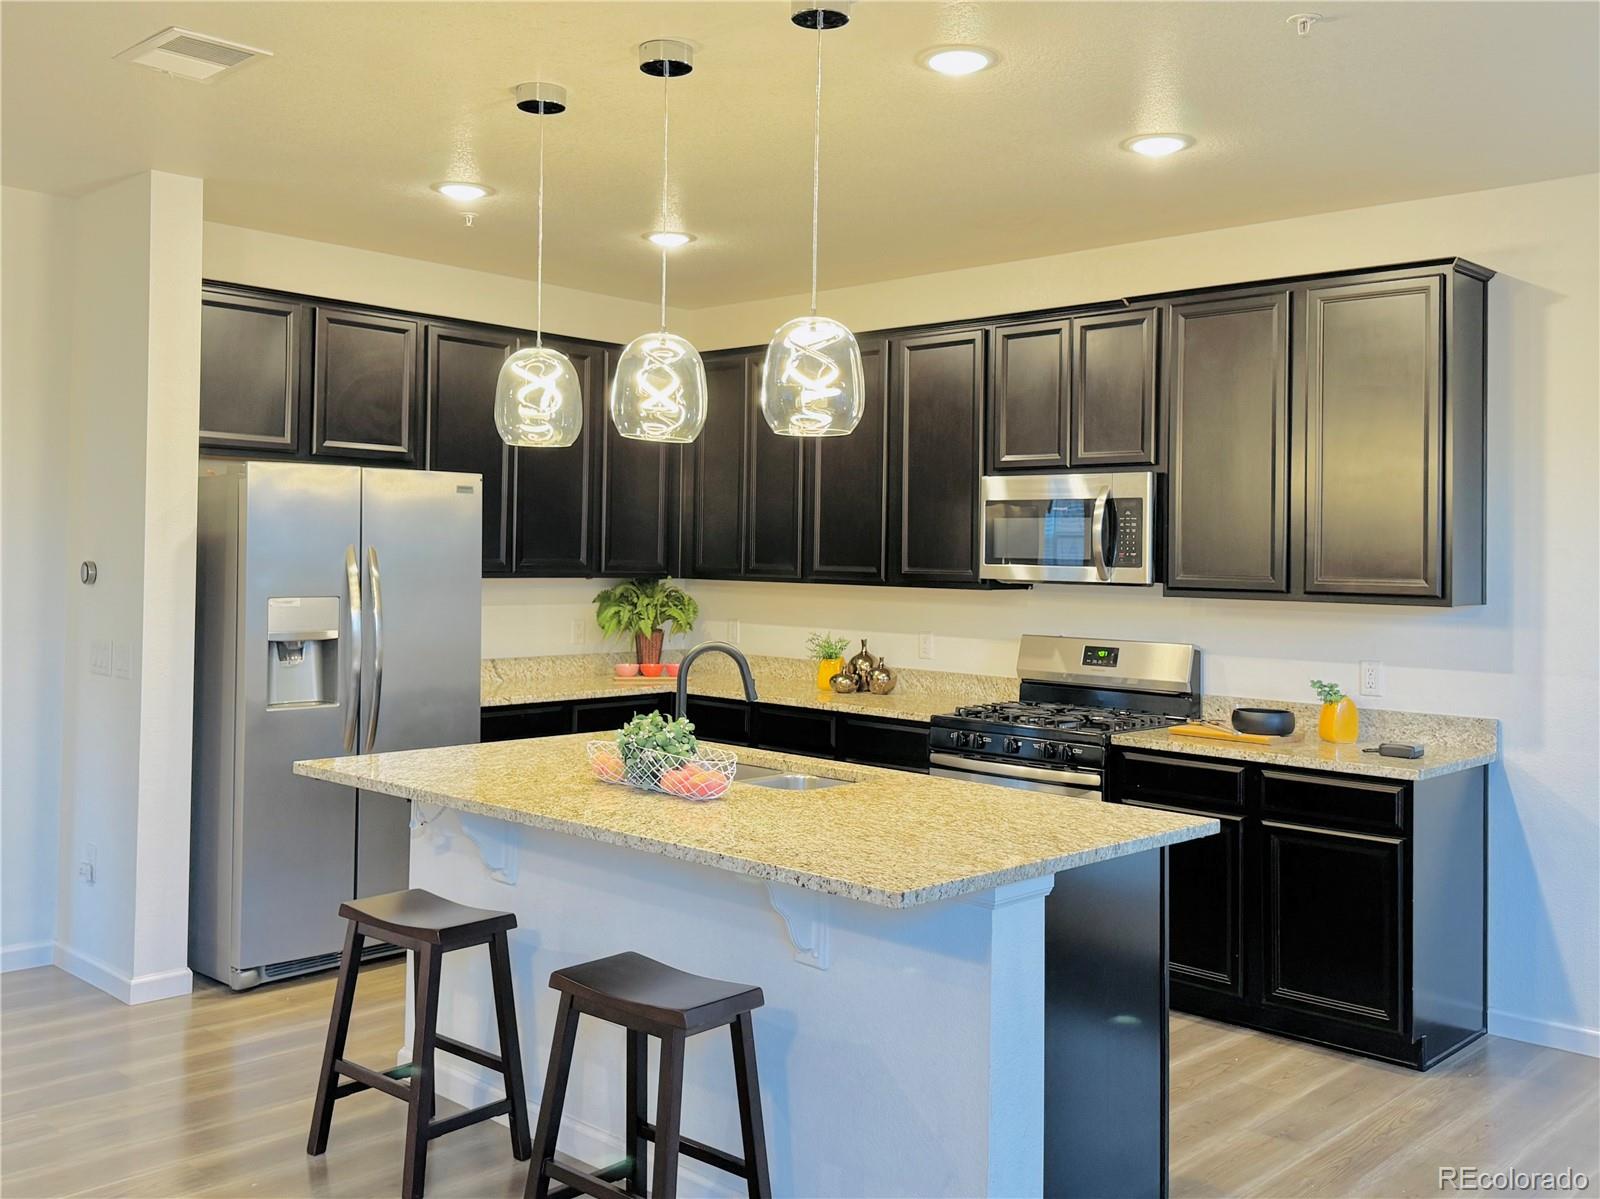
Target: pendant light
[[811, 378], [659, 390], [538, 401]]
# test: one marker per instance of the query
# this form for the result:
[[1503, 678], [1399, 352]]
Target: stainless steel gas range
[[1076, 694]]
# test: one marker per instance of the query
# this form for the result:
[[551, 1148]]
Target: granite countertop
[[1449, 743], [918, 695], [890, 838]]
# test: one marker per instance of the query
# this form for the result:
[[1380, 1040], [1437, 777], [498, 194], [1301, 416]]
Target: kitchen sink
[[784, 780]]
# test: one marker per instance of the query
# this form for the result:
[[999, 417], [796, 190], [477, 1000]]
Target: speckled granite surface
[[889, 838], [919, 695], [1450, 743]]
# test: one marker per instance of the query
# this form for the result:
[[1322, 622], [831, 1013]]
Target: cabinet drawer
[[796, 729], [720, 720], [1337, 803], [897, 743], [608, 715], [1181, 781], [536, 720]]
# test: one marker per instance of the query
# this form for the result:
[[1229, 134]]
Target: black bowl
[[1272, 722]]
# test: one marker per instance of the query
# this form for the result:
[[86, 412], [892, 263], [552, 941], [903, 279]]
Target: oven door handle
[[1097, 545], [1014, 770]]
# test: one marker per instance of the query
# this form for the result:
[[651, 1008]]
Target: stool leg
[[750, 1124], [418, 1114], [638, 1109], [554, 1098], [344, 996], [669, 1113], [505, 1013], [416, 990]]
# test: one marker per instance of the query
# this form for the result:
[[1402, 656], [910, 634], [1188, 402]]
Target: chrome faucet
[[708, 647]]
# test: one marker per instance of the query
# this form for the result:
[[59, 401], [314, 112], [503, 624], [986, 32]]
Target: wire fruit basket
[[705, 775]]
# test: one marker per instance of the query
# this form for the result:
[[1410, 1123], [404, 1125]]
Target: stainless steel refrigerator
[[339, 610]]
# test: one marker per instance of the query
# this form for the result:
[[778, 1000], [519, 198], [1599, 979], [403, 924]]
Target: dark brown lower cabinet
[[1343, 910]]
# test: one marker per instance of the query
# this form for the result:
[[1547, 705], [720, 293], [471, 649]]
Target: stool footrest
[[579, 1182], [372, 1078], [481, 1057], [700, 1151], [473, 1115]]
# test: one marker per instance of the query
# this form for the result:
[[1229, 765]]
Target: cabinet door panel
[[1029, 398], [1374, 434], [364, 395], [250, 373], [774, 493], [938, 419], [1114, 389], [557, 531], [463, 365], [714, 473], [1227, 391], [1335, 923], [849, 486], [1206, 905], [639, 497]]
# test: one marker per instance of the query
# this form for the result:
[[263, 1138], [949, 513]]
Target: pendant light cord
[[816, 169], [538, 270], [666, 124]]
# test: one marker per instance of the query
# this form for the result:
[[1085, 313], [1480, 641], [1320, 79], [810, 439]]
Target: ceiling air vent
[[190, 55]]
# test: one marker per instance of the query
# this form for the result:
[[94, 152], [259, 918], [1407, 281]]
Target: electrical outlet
[[122, 659], [1372, 678], [575, 632], [924, 645], [100, 656]]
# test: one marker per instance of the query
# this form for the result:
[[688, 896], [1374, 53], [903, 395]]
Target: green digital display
[[1099, 655]]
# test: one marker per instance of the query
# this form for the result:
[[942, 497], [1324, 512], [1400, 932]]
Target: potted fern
[[828, 653], [647, 609]]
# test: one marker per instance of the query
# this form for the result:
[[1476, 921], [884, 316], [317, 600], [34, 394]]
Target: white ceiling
[[338, 136]]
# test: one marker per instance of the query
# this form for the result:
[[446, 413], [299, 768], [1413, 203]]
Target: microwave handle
[[1097, 543]]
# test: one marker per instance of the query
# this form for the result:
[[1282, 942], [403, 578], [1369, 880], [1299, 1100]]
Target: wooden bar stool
[[650, 999], [430, 927]]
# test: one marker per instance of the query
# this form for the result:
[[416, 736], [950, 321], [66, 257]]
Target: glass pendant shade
[[538, 400], [659, 390], [811, 379]]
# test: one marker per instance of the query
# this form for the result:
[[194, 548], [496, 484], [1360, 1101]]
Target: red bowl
[[672, 670], [650, 670]]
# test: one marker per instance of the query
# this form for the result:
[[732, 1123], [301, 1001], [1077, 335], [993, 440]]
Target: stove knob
[[1049, 748], [1013, 745], [979, 741], [963, 739]]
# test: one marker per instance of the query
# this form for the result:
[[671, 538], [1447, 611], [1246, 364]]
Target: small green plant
[[651, 730], [1330, 693], [825, 646], [638, 607]]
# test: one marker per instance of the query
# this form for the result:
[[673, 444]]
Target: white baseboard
[[1571, 1037], [141, 989], [471, 1086], [26, 955]]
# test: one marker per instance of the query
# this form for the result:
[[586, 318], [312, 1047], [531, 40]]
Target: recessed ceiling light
[[669, 239], [463, 191], [1158, 145], [957, 60]]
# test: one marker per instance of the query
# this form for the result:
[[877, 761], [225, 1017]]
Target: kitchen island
[[965, 984]]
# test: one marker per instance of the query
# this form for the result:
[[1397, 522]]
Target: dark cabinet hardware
[[252, 361], [557, 496], [365, 401], [463, 364]]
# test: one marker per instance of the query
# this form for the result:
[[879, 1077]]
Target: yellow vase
[[826, 669], [1339, 722]]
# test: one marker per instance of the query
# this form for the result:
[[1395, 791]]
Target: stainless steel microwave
[[1069, 528]]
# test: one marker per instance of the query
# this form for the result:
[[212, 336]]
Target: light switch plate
[[122, 659], [100, 656]]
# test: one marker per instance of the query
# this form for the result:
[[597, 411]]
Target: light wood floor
[[210, 1095]]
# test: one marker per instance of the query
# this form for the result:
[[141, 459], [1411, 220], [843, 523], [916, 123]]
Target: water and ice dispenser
[[302, 650]]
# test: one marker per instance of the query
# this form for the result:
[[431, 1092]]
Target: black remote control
[[1396, 749]]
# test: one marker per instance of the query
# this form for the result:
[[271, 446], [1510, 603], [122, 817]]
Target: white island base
[[901, 1051]]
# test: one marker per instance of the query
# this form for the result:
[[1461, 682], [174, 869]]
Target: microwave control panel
[[1128, 546]]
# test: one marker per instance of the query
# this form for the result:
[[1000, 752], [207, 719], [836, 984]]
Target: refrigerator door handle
[[352, 711], [377, 647]]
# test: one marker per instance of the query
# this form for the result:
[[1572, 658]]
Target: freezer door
[[294, 838], [421, 567]]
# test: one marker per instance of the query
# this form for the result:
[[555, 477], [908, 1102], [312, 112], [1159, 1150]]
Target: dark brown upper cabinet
[[714, 492], [774, 491], [638, 503], [556, 502], [1030, 397], [936, 413], [365, 401], [1227, 392], [252, 360], [1113, 407], [847, 486], [1377, 432], [463, 364]]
